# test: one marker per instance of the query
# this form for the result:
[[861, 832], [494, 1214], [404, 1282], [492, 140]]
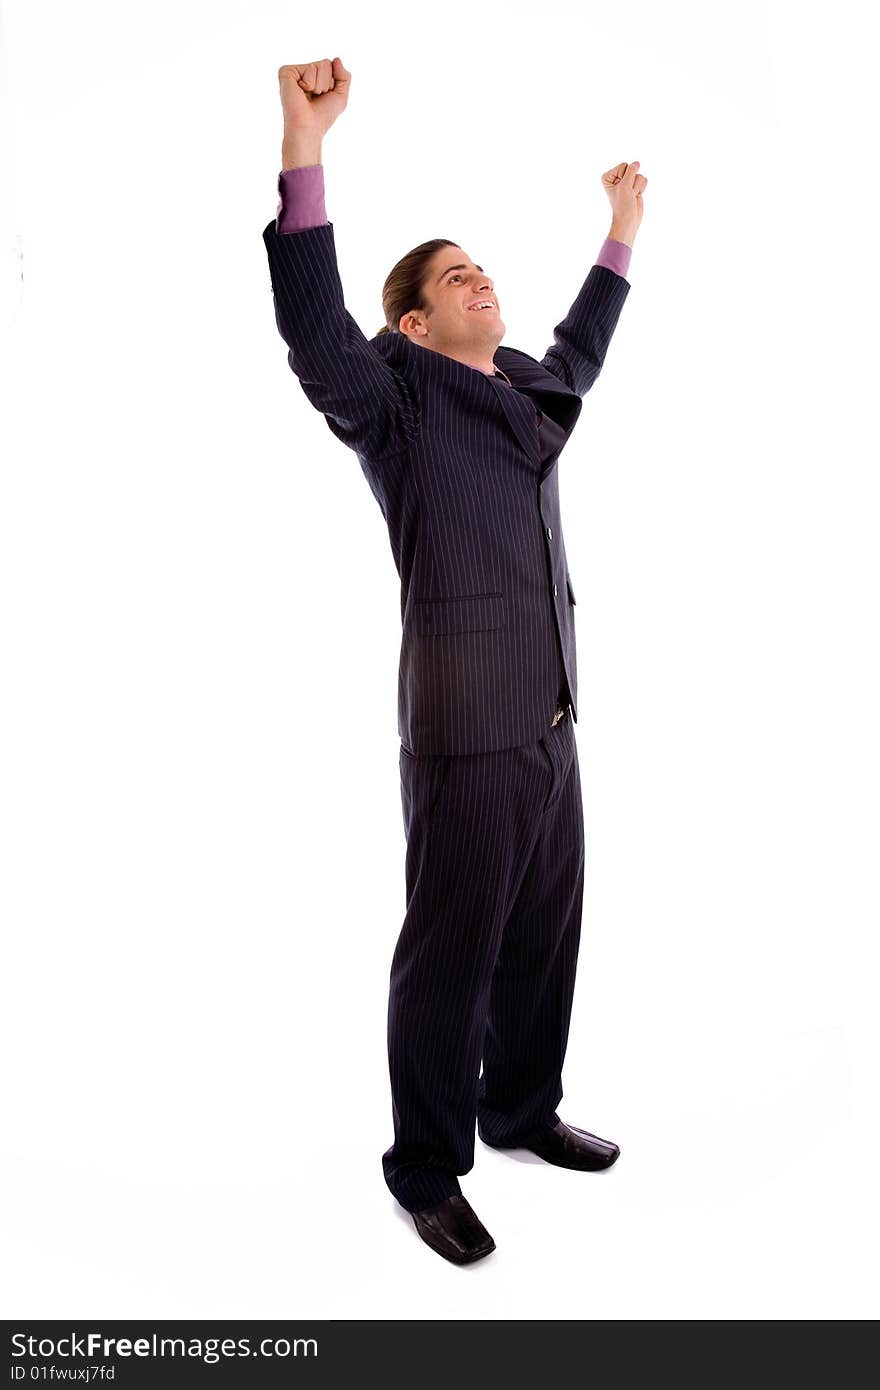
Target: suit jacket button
[[555, 591], [550, 532]]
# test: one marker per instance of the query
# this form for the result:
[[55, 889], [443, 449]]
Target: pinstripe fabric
[[463, 466], [486, 958], [452, 455]]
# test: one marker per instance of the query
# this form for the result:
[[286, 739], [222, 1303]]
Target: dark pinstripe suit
[[486, 958]]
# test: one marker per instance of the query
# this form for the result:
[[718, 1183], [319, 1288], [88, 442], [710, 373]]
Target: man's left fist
[[624, 186]]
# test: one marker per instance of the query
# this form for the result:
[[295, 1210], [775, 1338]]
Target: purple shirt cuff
[[300, 199], [615, 255]]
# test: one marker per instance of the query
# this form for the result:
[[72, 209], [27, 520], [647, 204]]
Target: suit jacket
[[453, 459]]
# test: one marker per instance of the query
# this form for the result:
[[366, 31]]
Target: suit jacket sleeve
[[581, 340], [366, 402]]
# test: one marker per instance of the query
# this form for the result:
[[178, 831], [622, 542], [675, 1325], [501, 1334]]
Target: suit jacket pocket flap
[[468, 613]]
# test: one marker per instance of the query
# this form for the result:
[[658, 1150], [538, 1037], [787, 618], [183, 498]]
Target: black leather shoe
[[569, 1147], [454, 1230]]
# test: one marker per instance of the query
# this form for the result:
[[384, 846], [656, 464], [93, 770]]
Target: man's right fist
[[313, 95]]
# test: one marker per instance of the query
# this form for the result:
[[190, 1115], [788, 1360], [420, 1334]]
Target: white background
[[203, 847]]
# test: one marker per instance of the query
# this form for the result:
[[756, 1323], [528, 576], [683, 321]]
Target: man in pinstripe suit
[[459, 439]]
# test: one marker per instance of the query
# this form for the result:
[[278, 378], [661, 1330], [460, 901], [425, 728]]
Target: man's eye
[[454, 277]]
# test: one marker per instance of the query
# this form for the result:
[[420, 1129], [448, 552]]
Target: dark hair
[[403, 287]]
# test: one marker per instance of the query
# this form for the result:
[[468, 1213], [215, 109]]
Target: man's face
[[452, 287]]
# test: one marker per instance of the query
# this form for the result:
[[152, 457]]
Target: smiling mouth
[[474, 309]]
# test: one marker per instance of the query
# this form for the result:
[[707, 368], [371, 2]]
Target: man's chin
[[493, 334]]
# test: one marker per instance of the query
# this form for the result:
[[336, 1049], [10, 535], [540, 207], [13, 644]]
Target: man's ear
[[414, 324]]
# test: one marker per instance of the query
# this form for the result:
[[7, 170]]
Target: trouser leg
[[470, 824], [533, 981]]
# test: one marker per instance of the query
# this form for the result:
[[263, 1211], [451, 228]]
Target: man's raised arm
[[366, 403], [581, 340]]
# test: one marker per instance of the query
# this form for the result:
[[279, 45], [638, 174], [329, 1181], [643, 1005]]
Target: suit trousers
[[484, 967]]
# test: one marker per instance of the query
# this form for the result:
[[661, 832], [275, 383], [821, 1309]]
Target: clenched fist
[[624, 186], [312, 96]]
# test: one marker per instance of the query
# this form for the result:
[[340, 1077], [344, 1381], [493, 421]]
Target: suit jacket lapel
[[527, 376], [534, 386], [550, 394]]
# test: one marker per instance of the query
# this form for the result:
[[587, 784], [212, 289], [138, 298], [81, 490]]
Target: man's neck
[[479, 366], [487, 365]]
